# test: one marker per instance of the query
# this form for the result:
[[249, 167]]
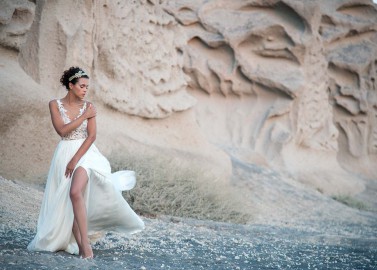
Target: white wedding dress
[[106, 208]]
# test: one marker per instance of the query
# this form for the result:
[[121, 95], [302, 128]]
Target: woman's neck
[[71, 99]]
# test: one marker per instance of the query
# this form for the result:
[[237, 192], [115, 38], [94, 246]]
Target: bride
[[82, 196]]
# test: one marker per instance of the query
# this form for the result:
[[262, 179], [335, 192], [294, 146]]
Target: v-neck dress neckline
[[64, 110], [81, 132]]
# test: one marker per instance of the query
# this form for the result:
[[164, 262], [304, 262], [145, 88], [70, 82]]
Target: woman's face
[[80, 87]]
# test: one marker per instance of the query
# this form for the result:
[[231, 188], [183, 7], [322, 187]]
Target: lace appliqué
[[79, 133]]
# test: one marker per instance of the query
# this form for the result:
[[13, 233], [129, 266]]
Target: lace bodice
[[79, 133]]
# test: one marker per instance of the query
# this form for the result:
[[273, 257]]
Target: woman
[[81, 194]]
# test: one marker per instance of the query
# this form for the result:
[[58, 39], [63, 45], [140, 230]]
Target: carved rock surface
[[16, 18], [281, 83], [268, 74], [130, 47], [137, 65]]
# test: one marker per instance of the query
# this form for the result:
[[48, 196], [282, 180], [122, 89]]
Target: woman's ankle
[[85, 241]]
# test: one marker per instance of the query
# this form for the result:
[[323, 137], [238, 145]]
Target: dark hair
[[64, 80]]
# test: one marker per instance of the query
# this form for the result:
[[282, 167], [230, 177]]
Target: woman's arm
[[92, 131], [58, 123]]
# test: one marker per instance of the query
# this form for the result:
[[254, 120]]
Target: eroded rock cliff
[[289, 85], [291, 82]]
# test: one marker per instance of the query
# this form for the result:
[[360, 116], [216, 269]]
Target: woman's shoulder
[[54, 103]]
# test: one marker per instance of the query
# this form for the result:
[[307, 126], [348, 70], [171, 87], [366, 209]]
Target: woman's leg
[[79, 181], [76, 233]]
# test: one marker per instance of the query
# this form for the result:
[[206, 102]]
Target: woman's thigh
[[79, 181]]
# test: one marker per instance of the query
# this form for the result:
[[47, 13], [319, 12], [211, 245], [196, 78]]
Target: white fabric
[[106, 207], [123, 180]]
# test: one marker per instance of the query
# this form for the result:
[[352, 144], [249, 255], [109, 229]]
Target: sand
[[182, 243]]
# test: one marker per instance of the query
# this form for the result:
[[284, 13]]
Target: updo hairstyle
[[64, 80]]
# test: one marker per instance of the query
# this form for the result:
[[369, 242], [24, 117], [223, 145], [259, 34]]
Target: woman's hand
[[90, 112], [70, 167]]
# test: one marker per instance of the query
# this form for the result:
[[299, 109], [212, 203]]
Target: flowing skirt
[[106, 208]]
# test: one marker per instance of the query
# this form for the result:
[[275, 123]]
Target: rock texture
[[129, 47], [16, 18], [69, 33], [270, 75], [136, 64], [284, 84]]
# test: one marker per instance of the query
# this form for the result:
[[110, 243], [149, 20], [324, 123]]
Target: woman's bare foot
[[87, 252]]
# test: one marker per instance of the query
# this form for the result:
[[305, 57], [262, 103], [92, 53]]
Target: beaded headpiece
[[77, 75]]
